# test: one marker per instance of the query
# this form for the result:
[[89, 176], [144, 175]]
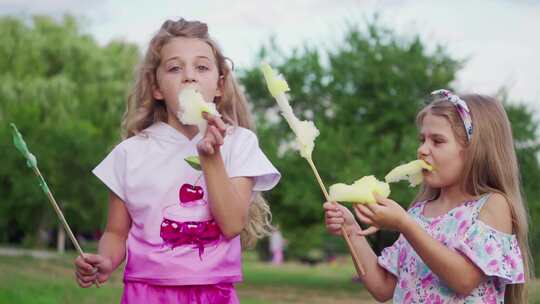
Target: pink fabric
[[277, 257], [174, 239], [198, 234], [276, 247], [135, 293]]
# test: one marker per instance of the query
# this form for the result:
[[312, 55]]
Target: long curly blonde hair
[[490, 166], [143, 110]]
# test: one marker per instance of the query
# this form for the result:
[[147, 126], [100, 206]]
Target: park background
[[359, 69]]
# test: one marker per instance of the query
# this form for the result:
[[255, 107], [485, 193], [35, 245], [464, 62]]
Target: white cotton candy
[[361, 191], [191, 105], [305, 130], [411, 172]]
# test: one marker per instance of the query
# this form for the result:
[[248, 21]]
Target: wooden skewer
[[355, 258], [62, 218]]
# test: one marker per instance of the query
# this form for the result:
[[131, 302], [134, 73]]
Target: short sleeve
[[112, 171], [494, 252], [391, 256], [248, 160]]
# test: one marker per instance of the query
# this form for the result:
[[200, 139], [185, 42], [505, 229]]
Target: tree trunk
[[61, 240]]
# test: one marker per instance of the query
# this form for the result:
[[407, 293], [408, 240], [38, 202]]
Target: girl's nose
[[423, 150], [189, 76]]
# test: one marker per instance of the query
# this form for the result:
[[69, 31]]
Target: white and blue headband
[[461, 107]]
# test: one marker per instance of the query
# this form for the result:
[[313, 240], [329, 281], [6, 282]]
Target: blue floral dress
[[496, 253]]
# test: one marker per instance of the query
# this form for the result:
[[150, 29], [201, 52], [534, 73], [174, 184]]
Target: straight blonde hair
[[490, 166], [143, 110]]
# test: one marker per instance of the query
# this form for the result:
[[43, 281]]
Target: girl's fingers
[[83, 284], [87, 272], [364, 209], [216, 121], [365, 220], [102, 278], [373, 207], [84, 277], [334, 229], [209, 147], [330, 206], [335, 220], [220, 124], [205, 146], [370, 230], [381, 199], [330, 214], [362, 217], [218, 137], [83, 266], [211, 139], [85, 281], [334, 217]]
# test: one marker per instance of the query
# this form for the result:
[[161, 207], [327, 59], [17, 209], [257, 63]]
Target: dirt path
[[38, 254]]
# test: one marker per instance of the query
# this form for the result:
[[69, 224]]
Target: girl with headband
[[464, 238]]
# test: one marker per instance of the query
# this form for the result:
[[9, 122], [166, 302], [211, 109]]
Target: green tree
[[66, 94], [525, 131], [363, 95]]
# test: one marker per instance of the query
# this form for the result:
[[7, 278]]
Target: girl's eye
[[202, 68], [174, 69]]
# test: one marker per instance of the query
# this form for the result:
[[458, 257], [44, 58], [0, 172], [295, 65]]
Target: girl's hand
[[91, 268], [385, 214], [213, 137], [335, 216]]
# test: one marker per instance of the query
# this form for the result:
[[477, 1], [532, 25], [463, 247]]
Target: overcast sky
[[500, 38]]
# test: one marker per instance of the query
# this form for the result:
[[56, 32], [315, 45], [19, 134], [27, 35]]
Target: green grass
[[46, 281], [25, 279], [29, 280]]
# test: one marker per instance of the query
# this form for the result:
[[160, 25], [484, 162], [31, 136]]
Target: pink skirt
[[135, 292]]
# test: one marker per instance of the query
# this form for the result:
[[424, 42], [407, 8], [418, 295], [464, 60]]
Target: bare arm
[[463, 278], [112, 246], [229, 197], [465, 275], [377, 280]]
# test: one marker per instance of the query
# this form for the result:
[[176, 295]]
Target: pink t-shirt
[[173, 239]]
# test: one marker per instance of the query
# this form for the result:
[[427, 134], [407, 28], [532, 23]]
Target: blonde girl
[[177, 224], [464, 239]]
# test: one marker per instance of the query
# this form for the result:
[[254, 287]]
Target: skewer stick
[[355, 258], [60, 215], [305, 132], [31, 161]]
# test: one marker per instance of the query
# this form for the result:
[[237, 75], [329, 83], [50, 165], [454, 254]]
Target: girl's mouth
[[424, 170]]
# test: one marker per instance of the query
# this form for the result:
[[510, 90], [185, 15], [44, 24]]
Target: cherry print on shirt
[[189, 222], [189, 193]]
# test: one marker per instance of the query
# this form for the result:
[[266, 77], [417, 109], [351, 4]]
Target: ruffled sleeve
[[494, 252], [393, 256]]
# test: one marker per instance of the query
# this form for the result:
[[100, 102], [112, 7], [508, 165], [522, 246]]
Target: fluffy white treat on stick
[[191, 107]]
